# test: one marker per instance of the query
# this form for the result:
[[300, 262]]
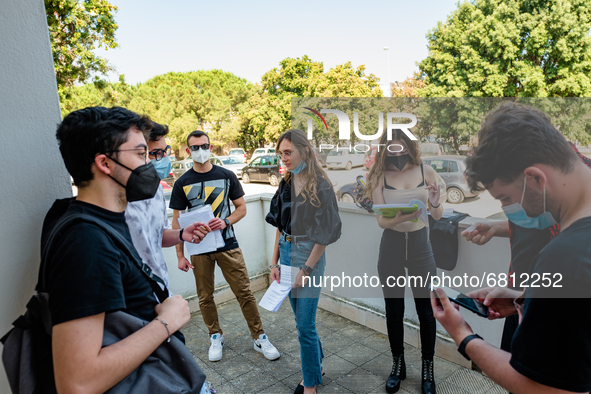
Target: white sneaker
[[262, 345], [216, 348]]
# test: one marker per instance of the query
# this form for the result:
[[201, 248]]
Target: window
[[259, 151], [177, 166], [335, 153], [265, 161], [189, 165], [271, 150], [453, 166], [256, 162], [439, 165]]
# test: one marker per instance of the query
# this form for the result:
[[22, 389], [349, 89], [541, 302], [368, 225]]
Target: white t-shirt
[[147, 220]]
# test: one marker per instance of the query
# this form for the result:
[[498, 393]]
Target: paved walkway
[[357, 359]]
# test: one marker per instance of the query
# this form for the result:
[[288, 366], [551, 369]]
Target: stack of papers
[[212, 241], [277, 292]]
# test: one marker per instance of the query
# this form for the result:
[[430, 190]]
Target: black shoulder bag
[[443, 234]]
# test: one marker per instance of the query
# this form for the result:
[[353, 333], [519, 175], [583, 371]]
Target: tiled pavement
[[357, 359]]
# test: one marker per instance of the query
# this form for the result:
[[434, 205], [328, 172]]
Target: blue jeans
[[304, 303]]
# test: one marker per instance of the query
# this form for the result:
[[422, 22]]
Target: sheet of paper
[[277, 292], [211, 241]]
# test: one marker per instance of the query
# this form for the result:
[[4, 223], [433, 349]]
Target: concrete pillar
[[32, 174]]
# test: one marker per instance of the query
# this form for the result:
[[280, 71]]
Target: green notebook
[[390, 210]]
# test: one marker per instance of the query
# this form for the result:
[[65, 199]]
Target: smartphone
[[463, 300]]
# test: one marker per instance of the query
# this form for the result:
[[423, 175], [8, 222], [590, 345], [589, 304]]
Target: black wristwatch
[[462, 347], [307, 269], [181, 234], [227, 222]]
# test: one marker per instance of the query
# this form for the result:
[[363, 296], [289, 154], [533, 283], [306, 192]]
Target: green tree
[[510, 48], [268, 112], [76, 29], [187, 101]]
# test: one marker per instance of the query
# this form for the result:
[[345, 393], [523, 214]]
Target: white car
[[262, 152], [229, 162], [343, 158], [238, 153]]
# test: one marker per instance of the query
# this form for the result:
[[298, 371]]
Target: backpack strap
[[123, 244]]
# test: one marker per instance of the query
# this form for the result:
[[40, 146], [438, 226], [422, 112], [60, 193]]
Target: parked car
[[261, 152], [167, 194], [370, 158], [451, 169], [352, 192], [178, 168], [343, 158], [238, 153], [264, 169], [321, 155], [436, 149], [165, 186], [229, 162]]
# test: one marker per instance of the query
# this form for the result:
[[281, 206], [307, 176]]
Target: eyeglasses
[[286, 153], [195, 148], [143, 152], [160, 153]]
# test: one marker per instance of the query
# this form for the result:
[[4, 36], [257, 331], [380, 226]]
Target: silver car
[[231, 163], [451, 168]]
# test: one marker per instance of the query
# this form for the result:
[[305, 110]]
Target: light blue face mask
[[299, 168], [162, 166], [516, 214]]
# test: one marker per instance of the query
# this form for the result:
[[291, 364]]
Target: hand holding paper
[[211, 241], [277, 292]]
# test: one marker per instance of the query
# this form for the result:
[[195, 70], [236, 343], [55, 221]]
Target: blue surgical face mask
[[299, 168], [516, 214], [162, 166]]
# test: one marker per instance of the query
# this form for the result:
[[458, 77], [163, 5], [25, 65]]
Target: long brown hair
[[379, 167], [313, 172]]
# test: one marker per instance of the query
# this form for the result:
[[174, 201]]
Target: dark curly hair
[[511, 138], [88, 132]]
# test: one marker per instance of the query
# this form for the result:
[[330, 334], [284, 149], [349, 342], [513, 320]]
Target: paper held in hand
[[212, 241], [277, 292]]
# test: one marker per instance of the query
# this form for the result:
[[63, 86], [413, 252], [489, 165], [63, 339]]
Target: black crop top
[[420, 184]]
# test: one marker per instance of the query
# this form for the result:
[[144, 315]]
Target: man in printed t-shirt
[[208, 184]]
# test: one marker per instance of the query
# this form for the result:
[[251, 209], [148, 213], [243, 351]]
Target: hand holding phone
[[463, 300]]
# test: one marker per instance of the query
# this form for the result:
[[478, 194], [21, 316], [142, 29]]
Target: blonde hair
[[379, 167], [313, 172]]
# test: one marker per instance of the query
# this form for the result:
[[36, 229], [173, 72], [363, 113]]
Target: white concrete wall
[[356, 253], [33, 174]]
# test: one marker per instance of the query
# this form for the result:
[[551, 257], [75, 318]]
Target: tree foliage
[[267, 113], [76, 29], [511, 48], [185, 101]]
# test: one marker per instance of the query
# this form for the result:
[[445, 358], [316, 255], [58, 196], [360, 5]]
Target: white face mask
[[201, 155]]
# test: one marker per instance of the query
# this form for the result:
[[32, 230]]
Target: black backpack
[[443, 234], [27, 355]]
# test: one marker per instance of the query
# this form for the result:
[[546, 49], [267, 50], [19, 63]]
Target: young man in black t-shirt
[[208, 184], [85, 274], [527, 164]]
